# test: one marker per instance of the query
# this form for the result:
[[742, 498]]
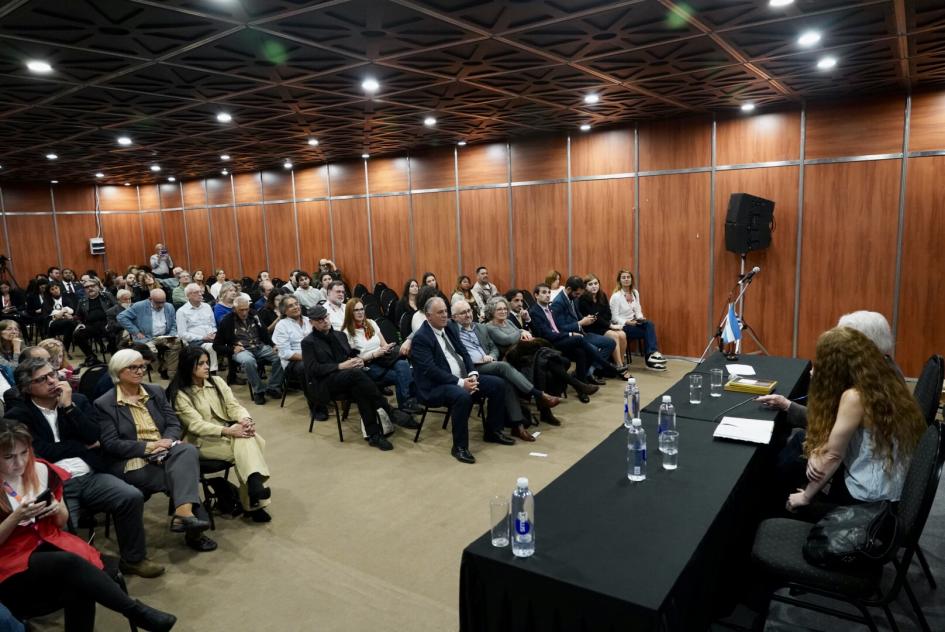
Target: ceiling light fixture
[[225, 172], [780, 3], [586, 127], [808, 38], [313, 142], [99, 175], [591, 99], [55, 181], [51, 156], [287, 164], [429, 121], [370, 85], [171, 179], [39, 67], [224, 157], [127, 184], [224, 117], [826, 63], [365, 156], [124, 140], [748, 107], [461, 143], [155, 168]]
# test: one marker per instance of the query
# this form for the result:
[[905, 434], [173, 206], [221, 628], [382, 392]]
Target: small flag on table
[[731, 332]]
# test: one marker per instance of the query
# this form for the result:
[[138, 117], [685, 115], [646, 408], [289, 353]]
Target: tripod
[[5, 274], [741, 286]]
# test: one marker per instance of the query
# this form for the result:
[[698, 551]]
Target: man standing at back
[[445, 375]]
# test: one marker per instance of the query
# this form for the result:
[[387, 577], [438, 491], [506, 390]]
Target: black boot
[[150, 619], [256, 489]]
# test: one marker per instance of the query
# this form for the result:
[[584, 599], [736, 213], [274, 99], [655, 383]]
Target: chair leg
[[923, 623], [209, 501], [311, 420], [423, 417], [341, 437], [925, 567], [890, 618]]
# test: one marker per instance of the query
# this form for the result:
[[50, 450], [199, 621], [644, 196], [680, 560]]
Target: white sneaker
[[656, 367], [656, 356]]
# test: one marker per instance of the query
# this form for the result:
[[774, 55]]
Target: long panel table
[[664, 554]]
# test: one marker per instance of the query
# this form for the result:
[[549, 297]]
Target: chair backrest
[[372, 310], [404, 325], [918, 490], [388, 329], [90, 378], [928, 388], [359, 290], [379, 287]]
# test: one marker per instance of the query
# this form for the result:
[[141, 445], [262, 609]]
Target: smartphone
[[46, 497]]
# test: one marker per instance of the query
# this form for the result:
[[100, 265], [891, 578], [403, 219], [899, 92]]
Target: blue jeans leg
[[268, 355], [647, 331], [247, 360]]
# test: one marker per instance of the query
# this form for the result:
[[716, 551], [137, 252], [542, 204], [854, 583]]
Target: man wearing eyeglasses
[[66, 433], [152, 321], [92, 314]]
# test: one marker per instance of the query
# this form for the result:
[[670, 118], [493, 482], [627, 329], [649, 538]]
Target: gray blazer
[[486, 340], [119, 436]]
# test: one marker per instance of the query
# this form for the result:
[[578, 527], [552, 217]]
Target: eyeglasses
[[158, 303], [358, 309], [45, 378], [137, 368]]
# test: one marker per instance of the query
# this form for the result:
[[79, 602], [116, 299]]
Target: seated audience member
[[54, 276], [11, 343], [463, 292], [196, 325], [59, 310], [308, 296], [40, 563], [225, 297], [117, 336], [593, 302], [324, 280], [553, 279], [485, 356], [291, 285], [179, 295], [12, 302], [334, 371], [265, 289], [518, 313], [269, 314], [221, 428], [219, 280], [172, 282], [66, 433], [36, 297], [426, 293], [625, 310], [109, 280], [70, 285], [569, 318], [570, 344], [327, 265], [862, 423], [445, 375], [406, 307], [142, 435], [152, 322], [483, 290], [199, 278], [385, 369], [105, 383], [92, 314], [161, 262], [429, 280], [262, 277], [335, 305], [287, 337], [534, 357], [243, 337], [57, 358], [144, 284]]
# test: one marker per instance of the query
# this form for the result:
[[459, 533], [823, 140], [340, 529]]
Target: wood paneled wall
[[579, 204]]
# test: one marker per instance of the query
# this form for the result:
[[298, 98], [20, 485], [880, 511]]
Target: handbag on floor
[[854, 536]]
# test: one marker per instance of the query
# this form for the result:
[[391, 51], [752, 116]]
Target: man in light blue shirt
[[152, 322]]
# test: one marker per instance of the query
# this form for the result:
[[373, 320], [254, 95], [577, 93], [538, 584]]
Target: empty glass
[[499, 514], [715, 383], [695, 388]]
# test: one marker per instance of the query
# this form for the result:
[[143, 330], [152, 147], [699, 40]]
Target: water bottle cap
[[637, 422], [631, 380], [522, 482], [667, 399]]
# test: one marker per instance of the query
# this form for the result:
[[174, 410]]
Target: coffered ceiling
[[287, 71]]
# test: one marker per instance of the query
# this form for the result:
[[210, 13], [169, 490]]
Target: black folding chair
[[211, 500], [928, 388], [360, 290], [388, 329]]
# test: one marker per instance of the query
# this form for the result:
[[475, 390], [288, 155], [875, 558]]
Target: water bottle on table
[[636, 451], [523, 520], [634, 397], [669, 436], [628, 414]]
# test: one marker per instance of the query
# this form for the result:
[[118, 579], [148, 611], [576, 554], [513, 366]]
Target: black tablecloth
[[792, 375], [616, 555]]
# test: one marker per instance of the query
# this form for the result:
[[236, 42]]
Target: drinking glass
[[695, 388], [715, 383], [669, 449], [499, 514]]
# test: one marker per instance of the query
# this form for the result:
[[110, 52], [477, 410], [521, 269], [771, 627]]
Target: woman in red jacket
[[40, 564]]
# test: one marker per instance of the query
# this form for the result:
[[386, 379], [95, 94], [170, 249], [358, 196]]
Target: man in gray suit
[[152, 322], [485, 355]]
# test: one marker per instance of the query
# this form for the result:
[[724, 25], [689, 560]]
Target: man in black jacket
[[241, 336], [66, 433], [334, 371], [92, 314]]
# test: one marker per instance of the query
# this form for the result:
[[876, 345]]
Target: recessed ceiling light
[[51, 156], [287, 164], [171, 178], [127, 184], [808, 38], [585, 128], [313, 142], [224, 117], [37, 66], [155, 168], [826, 63], [55, 181], [224, 157], [370, 85], [748, 107], [780, 3], [365, 156], [225, 172], [99, 175], [461, 143], [124, 140], [429, 121], [591, 99]]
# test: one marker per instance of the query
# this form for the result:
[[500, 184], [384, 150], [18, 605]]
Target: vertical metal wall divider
[[636, 201], [712, 185], [140, 215], [52, 201], [160, 212], [570, 213], [236, 226], [331, 218], [100, 225], [800, 229], [459, 230], [183, 219], [295, 218], [206, 199], [508, 158], [6, 233], [370, 233], [900, 235], [262, 191], [410, 236]]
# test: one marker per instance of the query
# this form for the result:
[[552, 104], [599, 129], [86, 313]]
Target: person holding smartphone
[[161, 262]]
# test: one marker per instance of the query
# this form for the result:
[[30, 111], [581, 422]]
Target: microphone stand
[[741, 287]]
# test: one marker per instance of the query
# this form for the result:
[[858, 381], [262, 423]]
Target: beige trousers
[[245, 454]]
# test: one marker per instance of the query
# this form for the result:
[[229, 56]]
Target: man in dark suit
[[65, 432], [518, 314], [334, 371], [568, 317], [445, 375]]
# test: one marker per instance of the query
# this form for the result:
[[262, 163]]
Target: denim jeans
[[647, 331], [250, 359], [399, 376]]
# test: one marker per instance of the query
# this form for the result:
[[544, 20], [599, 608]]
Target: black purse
[[389, 359], [854, 536]]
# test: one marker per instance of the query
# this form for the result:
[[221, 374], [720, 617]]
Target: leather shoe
[[200, 543], [550, 401], [260, 515], [321, 414], [144, 568], [259, 399], [147, 618], [274, 393], [586, 389], [462, 455], [190, 524], [380, 442], [584, 398], [548, 417], [591, 379], [404, 420], [412, 407], [522, 434], [498, 437]]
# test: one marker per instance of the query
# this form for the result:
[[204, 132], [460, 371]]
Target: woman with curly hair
[[862, 423]]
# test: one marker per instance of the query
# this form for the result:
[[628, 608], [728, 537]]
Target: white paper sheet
[[744, 429], [740, 369]]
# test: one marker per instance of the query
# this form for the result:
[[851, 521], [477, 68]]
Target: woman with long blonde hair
[[861, 417]]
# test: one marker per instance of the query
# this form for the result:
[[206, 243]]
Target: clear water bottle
[[669, 435], [627, 405], [667, 416], [634, 397], [523, 520], [636, 451]]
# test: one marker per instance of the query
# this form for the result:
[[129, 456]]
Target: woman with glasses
[[142, 434], [221, 427]]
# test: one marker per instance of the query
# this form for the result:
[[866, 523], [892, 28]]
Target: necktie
[[456, 356], [551, 320]]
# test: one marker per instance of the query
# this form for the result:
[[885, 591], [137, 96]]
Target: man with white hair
[[179, 295], [244, 337], [152, 321], [161, 262], [196, 325]]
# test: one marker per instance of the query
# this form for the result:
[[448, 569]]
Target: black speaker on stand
[[748, 223]]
